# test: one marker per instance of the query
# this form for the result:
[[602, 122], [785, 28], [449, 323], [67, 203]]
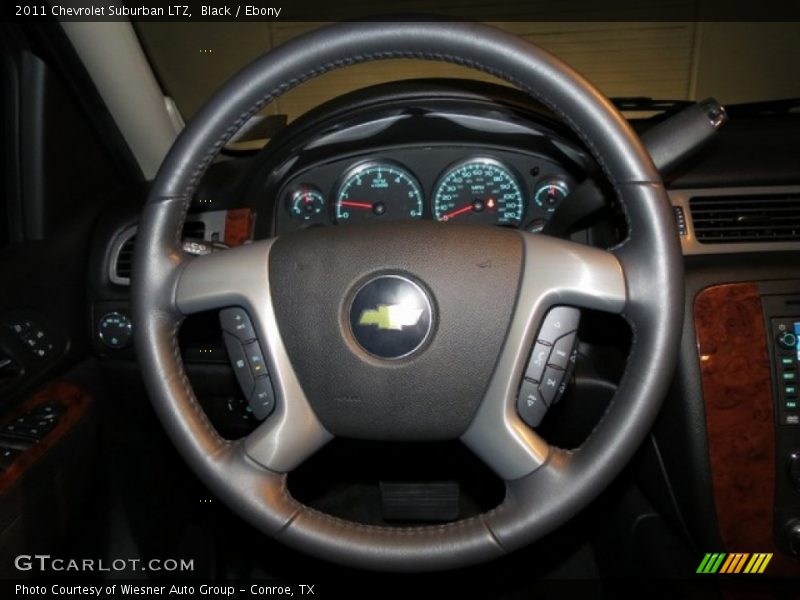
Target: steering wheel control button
[[236, 322], [562, 351], [537, 362], [262, 400], [255, 359], [530, 406], [391, 317], [560, 321], [241, 365], [551, 384]]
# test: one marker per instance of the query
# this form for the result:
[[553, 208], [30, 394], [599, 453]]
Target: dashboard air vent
[[119, 268], [122, 250], [194, 229], [125, 258], [758, 218]]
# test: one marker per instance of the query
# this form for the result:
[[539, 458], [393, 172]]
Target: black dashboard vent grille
[[194, 229], [125, 259], [122, 252], [732, 219]]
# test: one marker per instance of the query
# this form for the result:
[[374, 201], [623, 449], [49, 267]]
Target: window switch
[[7, 457]]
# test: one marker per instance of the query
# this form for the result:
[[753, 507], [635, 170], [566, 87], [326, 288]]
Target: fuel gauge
[[549, 192], [307, 204]]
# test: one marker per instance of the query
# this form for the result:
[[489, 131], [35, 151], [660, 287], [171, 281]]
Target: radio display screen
[[797, 337]]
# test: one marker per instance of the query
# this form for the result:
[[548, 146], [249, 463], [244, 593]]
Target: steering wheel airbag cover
[[433, 393]]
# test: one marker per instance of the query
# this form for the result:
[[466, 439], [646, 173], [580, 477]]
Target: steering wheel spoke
[[234, 277], [239, 277], [559, 272], [558, 277]]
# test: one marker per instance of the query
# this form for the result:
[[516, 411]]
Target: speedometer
[[380, 191], [480, 190]]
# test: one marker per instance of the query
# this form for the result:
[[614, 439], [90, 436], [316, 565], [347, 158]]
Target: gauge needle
[[352, 204], [455, 213]]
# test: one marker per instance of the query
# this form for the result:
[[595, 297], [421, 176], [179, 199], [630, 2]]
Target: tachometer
[[378, 191], [481, 190]]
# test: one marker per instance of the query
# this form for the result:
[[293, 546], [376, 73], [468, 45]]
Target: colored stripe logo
[[737, 562]]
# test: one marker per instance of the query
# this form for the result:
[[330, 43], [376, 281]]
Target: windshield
[[733, 62]]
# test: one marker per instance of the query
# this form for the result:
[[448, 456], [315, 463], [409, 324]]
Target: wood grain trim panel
[[737, 392], [75, 402]]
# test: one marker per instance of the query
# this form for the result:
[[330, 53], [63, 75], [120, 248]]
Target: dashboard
[[421, 151], [455, 152]]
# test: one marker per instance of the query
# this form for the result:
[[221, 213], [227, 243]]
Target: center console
[[747, 338], [782, 314]]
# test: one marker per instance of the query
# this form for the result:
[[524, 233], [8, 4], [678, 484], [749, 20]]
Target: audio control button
[[787, 339], [537, 362], [530, 406], [551, 385], [562, 351], [560, 321]]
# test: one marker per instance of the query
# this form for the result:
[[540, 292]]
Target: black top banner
[[476, 10]]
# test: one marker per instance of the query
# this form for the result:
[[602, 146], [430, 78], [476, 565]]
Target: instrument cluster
[[448, 185]]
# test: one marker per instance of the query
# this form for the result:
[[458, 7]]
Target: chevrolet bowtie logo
[[391, 316]]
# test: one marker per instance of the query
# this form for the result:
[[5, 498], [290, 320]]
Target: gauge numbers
[[550, 192], [481, 190], [306, 204], [378, 191]]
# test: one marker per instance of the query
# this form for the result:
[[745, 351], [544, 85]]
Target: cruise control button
[[241, 367], [560, 321], [262, 401], [237, 322], [538, 362], [562, 350], [551, 382], [530, 406], [255, 359]]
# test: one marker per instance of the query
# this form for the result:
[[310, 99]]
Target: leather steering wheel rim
[[538, 499]]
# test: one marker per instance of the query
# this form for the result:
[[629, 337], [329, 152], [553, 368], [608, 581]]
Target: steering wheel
[[437, 296]]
